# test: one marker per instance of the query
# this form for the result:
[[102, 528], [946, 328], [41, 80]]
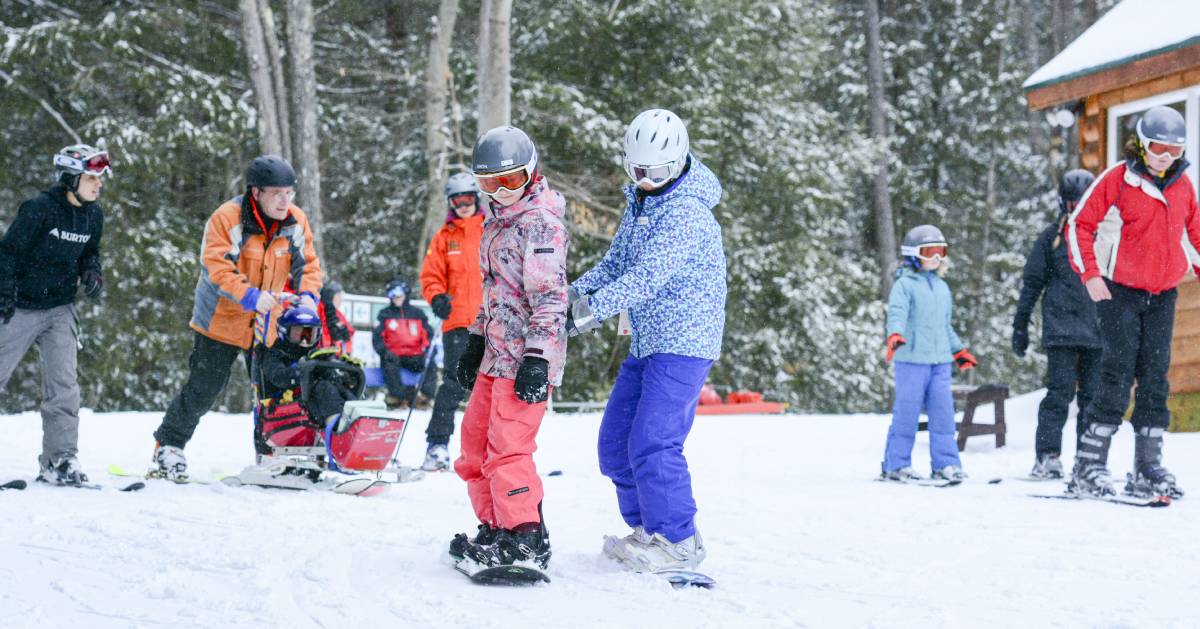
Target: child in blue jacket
[[923, 343]]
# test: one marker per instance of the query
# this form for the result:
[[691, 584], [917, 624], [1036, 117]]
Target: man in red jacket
[[1128, 241], [400, 338]]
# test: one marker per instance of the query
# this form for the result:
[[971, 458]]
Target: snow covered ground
[[798, 535]]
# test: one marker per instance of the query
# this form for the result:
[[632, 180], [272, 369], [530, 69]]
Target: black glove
[[441, 306], [337, 330], [468, 364], [93, 283], [8, 307], [533, 380], [1020, 341]]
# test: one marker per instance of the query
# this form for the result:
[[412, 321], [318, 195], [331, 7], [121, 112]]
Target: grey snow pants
[[56, 333]]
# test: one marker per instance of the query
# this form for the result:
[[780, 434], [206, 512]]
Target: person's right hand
[[893, 343], [468, 363], [266, 302], [441, 306], [1097, 289], [1020, 341]]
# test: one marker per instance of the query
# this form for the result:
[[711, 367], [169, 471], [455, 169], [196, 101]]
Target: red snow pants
[[496, 456]]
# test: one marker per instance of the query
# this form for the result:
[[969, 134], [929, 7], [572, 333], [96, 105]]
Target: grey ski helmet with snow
[[270, 171], [460, 183], [502, 149], [1072, 186], [920, 236], [76, 159], [1162, 124], [656, 147]]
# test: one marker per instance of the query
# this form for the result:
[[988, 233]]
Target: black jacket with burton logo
[[47, 248]]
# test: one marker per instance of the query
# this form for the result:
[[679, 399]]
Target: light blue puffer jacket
[[666, 266], [919, 309]]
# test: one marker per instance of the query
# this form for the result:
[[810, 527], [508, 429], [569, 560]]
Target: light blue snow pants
[[922, 386]]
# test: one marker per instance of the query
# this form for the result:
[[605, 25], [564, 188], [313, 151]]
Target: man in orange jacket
[[452, 284], [255, 247]]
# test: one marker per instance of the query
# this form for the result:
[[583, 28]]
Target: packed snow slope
[[797, 531]]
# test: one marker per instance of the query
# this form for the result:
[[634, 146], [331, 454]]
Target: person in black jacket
[[1070, 330], [299, 338], [401, 337], [51, 247]]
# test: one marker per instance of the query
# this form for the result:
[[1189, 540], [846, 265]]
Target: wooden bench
[[971, 396]]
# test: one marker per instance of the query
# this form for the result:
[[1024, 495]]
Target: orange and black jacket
[[452, 267]]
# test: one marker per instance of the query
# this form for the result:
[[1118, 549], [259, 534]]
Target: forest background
[[376, 101]]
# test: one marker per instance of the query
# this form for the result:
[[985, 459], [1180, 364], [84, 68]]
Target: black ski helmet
[[330, 289], [74, 160], [504, 148], [1162, 124], [270, 171], [1072, 186]]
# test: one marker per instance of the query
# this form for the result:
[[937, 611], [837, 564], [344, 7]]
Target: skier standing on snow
[[401, 338], [921, 339], [666, 266], [255, 246], [514, 353], [1127, 241], [336, 330], [1070, 333], [52, 246], [451, 282]]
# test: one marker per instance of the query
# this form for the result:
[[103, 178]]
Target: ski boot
[[527, 542], [1149, 477], [618, 547], [437, 458], [170, 464], [903, 475], [460, 543], [1090, 475], [659, 554], [951, 473], [63, 471], [1047, 467]]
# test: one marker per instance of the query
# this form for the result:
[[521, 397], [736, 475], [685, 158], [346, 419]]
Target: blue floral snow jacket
[[667, 266], [919, 309]]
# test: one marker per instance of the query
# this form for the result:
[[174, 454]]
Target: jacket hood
[[538, 196], [698, 182]]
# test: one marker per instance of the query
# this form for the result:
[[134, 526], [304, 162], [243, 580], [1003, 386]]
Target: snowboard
[[922, 482], [515, 574], [13, 484], [1132, 501], [686, 578]]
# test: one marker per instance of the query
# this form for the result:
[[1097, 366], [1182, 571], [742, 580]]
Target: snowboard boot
[[460, 543], [950, 473], [528, 542], [1090, 475], [1047, 467], [437, 458], [1149, 477], [169, 464], [659, 554], [903, 474], [618, 547], [63, 471]]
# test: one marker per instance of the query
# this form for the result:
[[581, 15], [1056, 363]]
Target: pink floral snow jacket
[[523, 257]]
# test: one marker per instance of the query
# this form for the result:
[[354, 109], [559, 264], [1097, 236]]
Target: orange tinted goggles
[[509, 180], [1161, 149], [929, 252]]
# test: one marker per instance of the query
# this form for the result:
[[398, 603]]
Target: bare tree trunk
[[276, 56], [885, 229], [307, 144], [495, 98], [1039, 142], [436, 134], [1090, 13], [260, 76]]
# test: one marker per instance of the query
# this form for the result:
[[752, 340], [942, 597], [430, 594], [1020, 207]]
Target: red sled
[[736, 403], [365, 438]]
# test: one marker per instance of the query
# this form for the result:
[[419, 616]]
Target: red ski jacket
[[1129, 231]]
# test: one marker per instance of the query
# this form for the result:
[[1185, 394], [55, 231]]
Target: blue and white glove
[[579, 314]]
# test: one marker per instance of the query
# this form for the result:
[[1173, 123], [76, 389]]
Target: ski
[[13, 484], [1156, 501], [120, 472], [923, 482], [131, 487]]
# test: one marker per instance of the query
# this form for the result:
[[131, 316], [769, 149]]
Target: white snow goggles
[[1160, 150], [930, 251], [96, 164], [653, 175]]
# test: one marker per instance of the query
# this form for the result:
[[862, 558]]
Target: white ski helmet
[[656, 147], [460, 183]]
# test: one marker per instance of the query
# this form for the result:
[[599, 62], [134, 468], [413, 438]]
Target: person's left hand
[[965, 360], [93, 283], [532, 385]]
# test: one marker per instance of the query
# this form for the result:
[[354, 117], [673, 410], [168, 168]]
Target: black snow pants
[[208, 371], [1071, 373], [451, 393]]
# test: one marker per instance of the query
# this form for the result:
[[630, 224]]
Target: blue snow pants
[[646, 421], [922, 386]]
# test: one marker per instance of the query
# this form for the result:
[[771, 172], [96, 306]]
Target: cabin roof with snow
[[1135, 41]]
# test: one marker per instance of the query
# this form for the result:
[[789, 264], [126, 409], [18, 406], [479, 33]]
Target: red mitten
[[965, 360], [893, 343]]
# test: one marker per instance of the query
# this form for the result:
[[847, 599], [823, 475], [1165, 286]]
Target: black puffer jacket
[[47, 248], [1068, 314]]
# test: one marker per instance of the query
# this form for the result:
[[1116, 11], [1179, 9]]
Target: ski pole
[[420, 381]]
